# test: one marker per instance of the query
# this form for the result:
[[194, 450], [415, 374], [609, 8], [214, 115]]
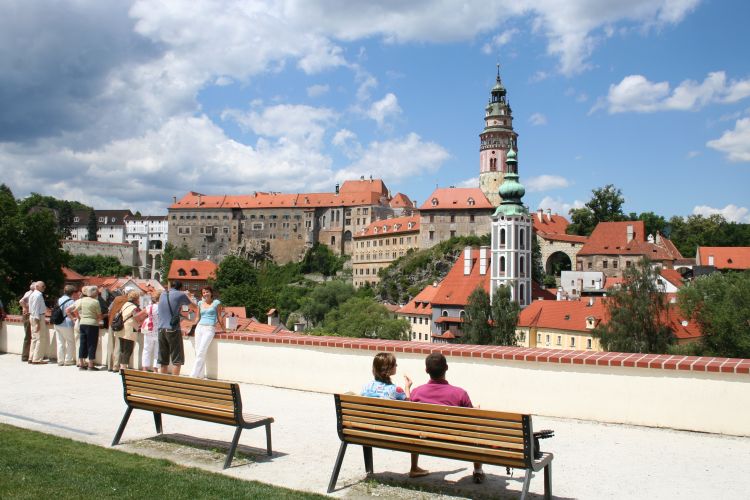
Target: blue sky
[[126, 104]]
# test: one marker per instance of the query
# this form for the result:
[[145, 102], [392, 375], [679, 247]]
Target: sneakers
[[478, 476]]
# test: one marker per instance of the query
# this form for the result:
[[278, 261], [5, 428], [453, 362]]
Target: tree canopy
[[171, 253], [491, 323], [364, 317], [605, 205], [637, 319], [320, 259], [98, 265], [720, 303]]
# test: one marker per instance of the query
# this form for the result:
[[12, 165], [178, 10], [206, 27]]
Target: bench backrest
[[209, 400], [486, 436]]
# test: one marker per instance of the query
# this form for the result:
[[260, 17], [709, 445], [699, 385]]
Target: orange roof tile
[[422, 303], [390, 226], [238, 311], [725, 257], [563, 315], [456, 287], [549, 224], [673, 277], [452, 198], [401, 201], [192, 269], [71, 275], [610, 238], [569, 238]]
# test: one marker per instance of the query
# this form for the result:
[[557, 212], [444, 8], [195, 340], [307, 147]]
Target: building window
[[614, 264], [453, 234], [590, 265], [471, 218], [502, 236], [605, 264], [502, 264], [76, 219], [538, 338], [588, 343], [432, 218], [559, 340], [572, 341], [432, 235], [453, 218], [627, 263], [547, 339]]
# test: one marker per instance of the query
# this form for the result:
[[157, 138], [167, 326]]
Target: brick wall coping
[[630, 360]]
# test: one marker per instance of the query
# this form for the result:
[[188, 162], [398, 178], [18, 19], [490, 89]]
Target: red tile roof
[[71, 275], [192, 269], [456, 287], [238, 311], [569, 238], [400, 200], [537, 292], [725, 257], [399, 225], [610, 238], [422, 303], [549, 224], [673, 277], [453, 198]]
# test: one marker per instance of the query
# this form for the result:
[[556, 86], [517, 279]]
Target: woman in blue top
[[209, 313], [383, 367]]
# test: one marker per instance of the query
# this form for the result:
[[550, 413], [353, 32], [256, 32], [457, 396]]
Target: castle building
[[495, 141], [511, 238], [110, 225], [379, 244]]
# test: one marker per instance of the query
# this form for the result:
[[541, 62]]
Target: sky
[[126, 104]]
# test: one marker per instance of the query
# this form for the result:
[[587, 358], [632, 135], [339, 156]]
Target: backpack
[[118, 323], [58, 314]]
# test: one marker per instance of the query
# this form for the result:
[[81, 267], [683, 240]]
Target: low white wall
[[698, 401]]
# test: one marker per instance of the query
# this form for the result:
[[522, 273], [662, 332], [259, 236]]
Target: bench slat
[[172, 398], [437, 409], [435, 445], [158, 378], [442, 432], [187, 414], [177, 384], [135, 400], [428, 413], [443, 425], [181, 394]]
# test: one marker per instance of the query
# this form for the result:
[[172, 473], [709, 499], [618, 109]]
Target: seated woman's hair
[[382, 366]]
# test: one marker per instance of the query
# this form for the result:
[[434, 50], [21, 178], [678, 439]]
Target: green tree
[[713, 231], [537, 267], [491, 323], [171, 253], [605, 205], [93, 226], [324, 298], [637, 314], [653, 223], [234, 271], [364, 317], [720, 303], [98, 265], [65, 218], [320, 259]]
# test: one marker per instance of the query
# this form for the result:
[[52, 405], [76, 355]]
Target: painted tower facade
[[511, 238], [496, 140]]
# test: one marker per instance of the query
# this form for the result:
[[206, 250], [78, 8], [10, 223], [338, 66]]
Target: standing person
[[439, 392], [113, 343], [132, 317], [171, 350], [89, 313], [383, 368], [209, 313], [39, 331], [150, 330], [64, 331], [24, 301]]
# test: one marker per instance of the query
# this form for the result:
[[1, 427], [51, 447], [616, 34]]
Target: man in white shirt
[[39, 332], [24, 301]]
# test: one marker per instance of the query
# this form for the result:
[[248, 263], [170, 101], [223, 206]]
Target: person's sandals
[[83, 368], [478, 476], [93, 369], [418, 473]]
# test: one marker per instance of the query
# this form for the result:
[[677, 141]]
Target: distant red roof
[[448, 198], [610, 238], [569, 238], [390, 226], [238, 311], [549, 223], [192, 270], [673, 277], [400, 200], [725, 257], [456, 287], [71, 275], [422, 303]]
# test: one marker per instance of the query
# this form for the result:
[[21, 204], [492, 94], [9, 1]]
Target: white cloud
[[499, 40], [346, 140], [302, 123], [546, 183], [732, 213], [692, 154], [538, 119], [734, 143], [469, 183], [558, 206], [396, 159], [635, 93], [317, 90], [383, 109]]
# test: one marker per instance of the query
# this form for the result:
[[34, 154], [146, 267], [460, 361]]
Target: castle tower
[[511, 238], [495, 141]]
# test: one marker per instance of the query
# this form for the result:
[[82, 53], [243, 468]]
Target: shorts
[[171, 351]]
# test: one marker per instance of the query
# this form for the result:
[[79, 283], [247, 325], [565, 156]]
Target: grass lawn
[[36, 465]]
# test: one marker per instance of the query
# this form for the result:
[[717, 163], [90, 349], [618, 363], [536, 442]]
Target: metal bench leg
[[157, 421], [368, 458], [337, 466], [233, 447], [121, 429], [268, 439], [526, 481], [548, 482]]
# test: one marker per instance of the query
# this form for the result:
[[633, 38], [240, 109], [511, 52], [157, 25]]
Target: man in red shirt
[[439, 392]]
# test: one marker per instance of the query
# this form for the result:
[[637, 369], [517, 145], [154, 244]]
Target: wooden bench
[[207, 400], [474, 435]]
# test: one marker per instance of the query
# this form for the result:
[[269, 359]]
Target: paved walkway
[[592, 460]]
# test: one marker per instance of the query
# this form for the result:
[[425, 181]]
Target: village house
[[379, 244]]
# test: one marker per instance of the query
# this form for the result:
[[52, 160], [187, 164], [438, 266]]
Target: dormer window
[[76, 219], [411, 224], [193, 272], [471, 202], [434, 202], [181, 272]]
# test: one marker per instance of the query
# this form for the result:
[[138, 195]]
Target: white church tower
[[511, 238]]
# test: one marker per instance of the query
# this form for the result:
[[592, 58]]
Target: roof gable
[[456, 198]]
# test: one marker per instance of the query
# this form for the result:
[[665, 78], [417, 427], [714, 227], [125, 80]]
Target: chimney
[[591, 301], [549, 214], [658, 238], [630, 233], [483, 260], [337, 188], [199, 200], [434, 284], [540, 215], [174, 199], [467, 261]]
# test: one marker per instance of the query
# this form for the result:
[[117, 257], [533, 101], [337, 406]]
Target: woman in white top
[[150, 332], [209, 313]]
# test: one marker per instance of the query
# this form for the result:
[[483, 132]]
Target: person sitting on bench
[[383, 367], [439, 392]]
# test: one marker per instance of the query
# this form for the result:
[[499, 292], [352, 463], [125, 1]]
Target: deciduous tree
[[364, 317], [491, 323], [605, 205]]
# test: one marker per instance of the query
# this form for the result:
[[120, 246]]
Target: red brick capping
[[622, 359]]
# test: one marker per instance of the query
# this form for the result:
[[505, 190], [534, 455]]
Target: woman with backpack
[[132, 317], [63, 325]]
